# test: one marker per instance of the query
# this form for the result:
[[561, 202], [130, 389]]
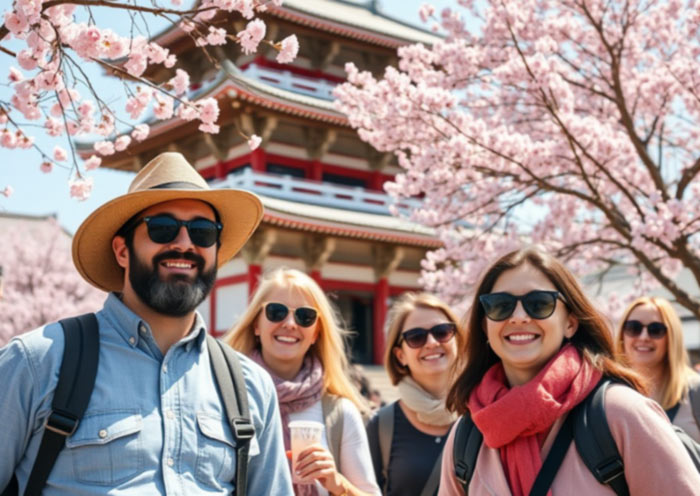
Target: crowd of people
[[506, 400]]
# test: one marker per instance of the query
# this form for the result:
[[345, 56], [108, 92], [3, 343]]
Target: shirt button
[[102, 433], [132, 340], [165, 369], [170, 414], [142, 329], [171, 462]]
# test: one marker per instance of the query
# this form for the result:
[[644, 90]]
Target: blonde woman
[[292, 331], [650, 336], [406, 437]]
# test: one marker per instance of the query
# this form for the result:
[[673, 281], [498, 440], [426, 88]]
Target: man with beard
[[154, 423]]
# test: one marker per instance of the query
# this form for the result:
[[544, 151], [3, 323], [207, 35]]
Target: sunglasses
[[538, 304], [164, 228], [417, 337], [303, 316], [633, 329]]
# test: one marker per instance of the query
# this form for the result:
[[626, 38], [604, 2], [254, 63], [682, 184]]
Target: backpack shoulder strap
[[431, 485], [595, 443], [694, 398], [229, 377], [76, 381], [385, 424], [467, 443], [333, 418]]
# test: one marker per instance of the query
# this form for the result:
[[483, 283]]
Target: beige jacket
[[655, 461]]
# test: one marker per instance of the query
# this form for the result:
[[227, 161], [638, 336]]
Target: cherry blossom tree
[[569, 123], [48, 43], [39, 281]]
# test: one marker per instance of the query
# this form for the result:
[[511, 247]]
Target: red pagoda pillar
[[381, 295]]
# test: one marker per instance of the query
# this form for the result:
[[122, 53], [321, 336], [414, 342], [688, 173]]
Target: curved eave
[[345, 231], [330, 26], [226, 89]]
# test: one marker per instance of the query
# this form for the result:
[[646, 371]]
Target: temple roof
[[359, 225], [359, 20]]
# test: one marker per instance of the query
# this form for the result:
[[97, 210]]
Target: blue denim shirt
[[154, 424]]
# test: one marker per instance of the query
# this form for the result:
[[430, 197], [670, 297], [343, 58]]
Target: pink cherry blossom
[[92, 163], [251, 37], [59, 154], [289, 49], [46, 167], [163, 107], [181, 82], [104, 147], [15, 75], [122, 143], [140, 132], [254, 142], [523, 126], [80, 188], [7, 192]]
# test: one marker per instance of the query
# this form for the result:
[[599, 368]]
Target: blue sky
[[37, 193]]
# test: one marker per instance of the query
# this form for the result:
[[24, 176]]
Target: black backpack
[[76, 381], [587, 425]]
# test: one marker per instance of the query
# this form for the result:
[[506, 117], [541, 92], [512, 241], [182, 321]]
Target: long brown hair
[[593, 337], [677, 370]]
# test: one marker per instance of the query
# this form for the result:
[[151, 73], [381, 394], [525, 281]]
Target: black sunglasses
[[303, 316], [538, 304], [163, 228], [633, 329], [417, 337]]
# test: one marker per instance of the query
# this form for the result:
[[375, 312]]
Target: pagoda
[[326, 212]]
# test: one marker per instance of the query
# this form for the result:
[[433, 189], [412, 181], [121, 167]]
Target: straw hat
[[167, 177]]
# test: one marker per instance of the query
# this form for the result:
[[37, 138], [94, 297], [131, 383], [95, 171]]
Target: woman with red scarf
[[536, 347]]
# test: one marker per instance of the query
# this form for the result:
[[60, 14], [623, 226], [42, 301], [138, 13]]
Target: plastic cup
[[303, 433]]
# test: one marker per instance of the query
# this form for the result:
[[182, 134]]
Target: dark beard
[[179, 294]]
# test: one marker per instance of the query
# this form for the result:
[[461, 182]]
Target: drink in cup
[[303, 433]]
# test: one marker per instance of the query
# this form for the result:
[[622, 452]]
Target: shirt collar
[[128, 324]]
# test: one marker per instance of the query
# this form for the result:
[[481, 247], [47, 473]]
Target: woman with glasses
[[406, 437], [651, 339], [536, 348], [291, 330]]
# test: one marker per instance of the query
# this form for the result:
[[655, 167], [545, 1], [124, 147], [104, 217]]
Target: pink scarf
[[294, 396], [516, 420]]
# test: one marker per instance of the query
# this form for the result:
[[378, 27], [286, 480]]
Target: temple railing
[[287, 80], [313, 192]]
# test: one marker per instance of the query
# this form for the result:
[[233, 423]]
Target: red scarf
[[516, 420]]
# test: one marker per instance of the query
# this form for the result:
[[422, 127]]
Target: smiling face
[[643, 351], [432, 359], [524, 344], [284, 344], [171, 278]]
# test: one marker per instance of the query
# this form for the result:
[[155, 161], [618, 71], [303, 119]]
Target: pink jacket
[[655, 460]]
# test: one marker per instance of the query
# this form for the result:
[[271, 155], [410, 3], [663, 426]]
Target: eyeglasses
[[633, 329], [538, 304], [303, 316], [417, 337], [163, 229]]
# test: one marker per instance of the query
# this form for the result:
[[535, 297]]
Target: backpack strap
[[671, 412], [76, 381], [595, 443], [694, 398], [554, 459], [385, 423], [333, 418], [229, 376], [431, 485], [467, 443]]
